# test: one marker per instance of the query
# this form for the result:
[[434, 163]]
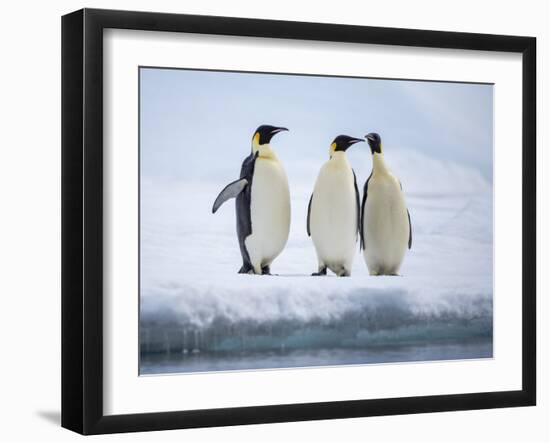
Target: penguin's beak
[[351, 142], [277, 130], [370, 137]]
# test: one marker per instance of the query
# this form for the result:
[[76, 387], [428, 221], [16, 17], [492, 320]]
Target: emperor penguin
[[262, 204], [333, 211], [386, 231]]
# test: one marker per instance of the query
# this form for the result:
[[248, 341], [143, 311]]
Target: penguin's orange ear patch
[[256, 142], [256, 138], [333, 147]]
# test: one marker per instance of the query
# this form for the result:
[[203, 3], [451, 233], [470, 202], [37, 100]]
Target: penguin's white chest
[[269, 212], [385, 225], [333, 216]]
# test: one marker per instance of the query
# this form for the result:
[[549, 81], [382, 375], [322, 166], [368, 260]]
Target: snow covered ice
[[198, 314]]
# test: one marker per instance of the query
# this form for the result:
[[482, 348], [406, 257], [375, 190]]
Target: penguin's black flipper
[[308, 215], [410, 230], [245, 269], [232, 190], [358, 205], [363, 204], [410, 227]]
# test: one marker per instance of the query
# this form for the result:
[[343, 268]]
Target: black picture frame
[[82, 220]]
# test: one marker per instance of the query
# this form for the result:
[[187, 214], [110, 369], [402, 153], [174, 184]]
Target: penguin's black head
[[343, 142], [265, 133], [375, 142]]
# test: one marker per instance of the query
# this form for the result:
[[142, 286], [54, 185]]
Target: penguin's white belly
[[385, 226], [269, 213], [333, 217]]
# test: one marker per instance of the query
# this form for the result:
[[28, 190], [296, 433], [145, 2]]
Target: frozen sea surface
[[198, 314]]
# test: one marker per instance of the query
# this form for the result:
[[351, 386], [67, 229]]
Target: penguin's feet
[[266, 270], [383, 273], [344, 273], [322, 271]]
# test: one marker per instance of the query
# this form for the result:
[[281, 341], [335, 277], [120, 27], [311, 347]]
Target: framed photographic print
[[270, 221]]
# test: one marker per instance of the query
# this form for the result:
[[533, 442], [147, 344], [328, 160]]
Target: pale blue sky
[[195, 124]]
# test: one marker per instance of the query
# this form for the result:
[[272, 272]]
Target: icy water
[[152, 364]]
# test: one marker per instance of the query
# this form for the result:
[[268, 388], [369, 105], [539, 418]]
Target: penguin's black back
[[242, 204]]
